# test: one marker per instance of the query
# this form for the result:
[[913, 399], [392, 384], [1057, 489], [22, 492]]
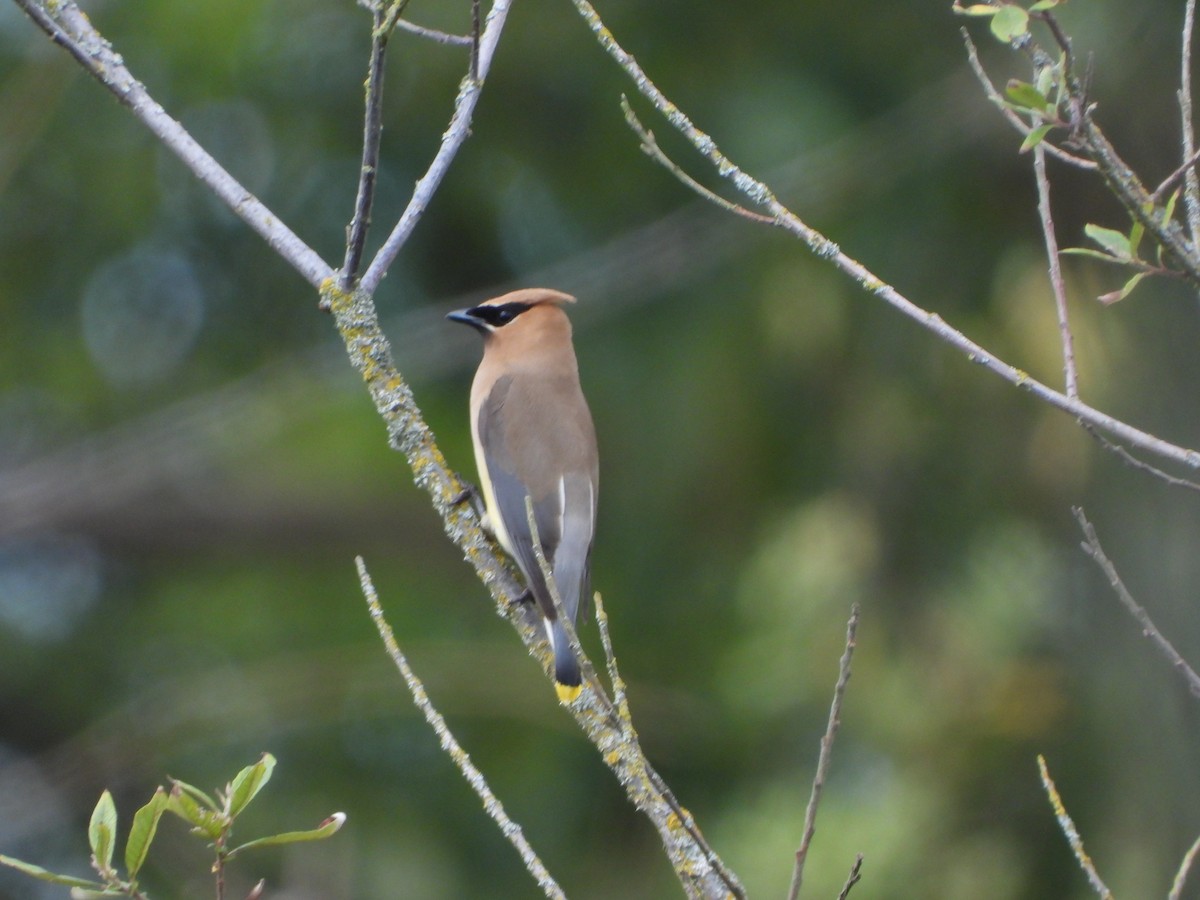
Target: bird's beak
[[465, 317]]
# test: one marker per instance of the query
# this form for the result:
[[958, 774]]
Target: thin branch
[[1169, 182], [1185, 867], [831, 729], [1092, 547], [1071, 377], [492, 806], [474, 40], [853, 879], [67, 26], [440, 37], [1009, 114], [360, 222], [1134, 463], [1191, 193], [452, 140], [614, 675], [761, 195], [650, 148], [1071, 833]]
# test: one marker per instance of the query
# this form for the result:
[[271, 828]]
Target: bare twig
[[831, 729], [1072, 835], [854, 877], [494, 808], [1169, 182], [1185, 868], [474, 40], [440, 37], [67, 26], [452, 140], [360, 223], [762, 196], [1191, 193], [1134, 463], [650, 148], [1092, 547], [1009, 114], [614, 674], [1071, 377]]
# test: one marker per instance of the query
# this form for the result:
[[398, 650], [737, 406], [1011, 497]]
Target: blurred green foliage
[[187, 465]]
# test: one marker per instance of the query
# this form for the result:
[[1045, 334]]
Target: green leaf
[[326, 829], [197, 794], [1136, 232], [141, 832], [1043, 5], [184, 805], [1009, 23], [249, 782], [1169, 209], [975, 9], [1114, 242], [1088, 251], [1045, 81], [102, 831], [1025, 95], [46, 875], [1109, 299], [1034, 138]]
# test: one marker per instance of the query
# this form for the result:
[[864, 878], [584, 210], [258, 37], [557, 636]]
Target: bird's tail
[[567, 679]]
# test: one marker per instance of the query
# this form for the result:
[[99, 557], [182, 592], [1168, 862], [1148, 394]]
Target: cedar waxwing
[[534, 437]]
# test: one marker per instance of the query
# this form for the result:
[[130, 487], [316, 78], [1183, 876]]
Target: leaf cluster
[[210, 816]]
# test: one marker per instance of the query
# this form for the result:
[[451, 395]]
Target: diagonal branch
[[1071, 377], [356, 231], [1185, 868], [67, 26], [491, 804], [700, 870], [831, 729], [455, 135], [1092, 548], [763, 197], [1072, 833]]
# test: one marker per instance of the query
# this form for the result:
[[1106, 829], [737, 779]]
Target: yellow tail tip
[[567, 693]]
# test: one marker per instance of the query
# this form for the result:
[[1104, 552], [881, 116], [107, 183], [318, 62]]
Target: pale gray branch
[[1191, 192], [67, 26], [491, 804], [1070, 376], [762, 196], [455, 135], [1072, 833], [1091, 546], [823, 758]]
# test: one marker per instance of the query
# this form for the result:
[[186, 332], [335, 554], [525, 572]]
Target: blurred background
[[188, 465]]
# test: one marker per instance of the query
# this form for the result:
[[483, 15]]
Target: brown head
[[522, 324]]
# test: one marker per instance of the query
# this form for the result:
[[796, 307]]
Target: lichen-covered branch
[[700, 870], [491, 803], [67, 26], [762, 196], [1072, 833]]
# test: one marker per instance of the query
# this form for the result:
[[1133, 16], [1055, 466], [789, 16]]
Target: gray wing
[[564, 503]]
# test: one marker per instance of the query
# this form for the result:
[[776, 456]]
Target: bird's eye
[[499, 315]]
